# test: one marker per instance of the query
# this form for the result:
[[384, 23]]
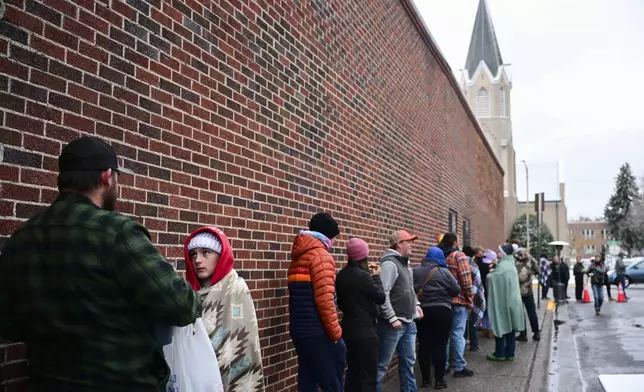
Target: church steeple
[[487, 87], [483, 45]]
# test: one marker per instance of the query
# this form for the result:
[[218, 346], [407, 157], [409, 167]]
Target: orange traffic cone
[[620, 293], [586, 299]]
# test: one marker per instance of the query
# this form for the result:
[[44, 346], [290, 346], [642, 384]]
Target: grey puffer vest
[[400, 298]]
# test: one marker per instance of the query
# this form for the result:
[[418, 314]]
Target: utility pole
[[539, 200], [527, 200]]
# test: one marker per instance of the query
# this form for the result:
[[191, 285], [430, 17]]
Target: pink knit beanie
[[357, 249]]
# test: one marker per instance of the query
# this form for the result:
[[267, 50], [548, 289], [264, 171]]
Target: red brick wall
[[251, 115]]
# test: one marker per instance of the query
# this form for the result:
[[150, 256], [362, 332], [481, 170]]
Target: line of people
[[389, 306], [91, 296]]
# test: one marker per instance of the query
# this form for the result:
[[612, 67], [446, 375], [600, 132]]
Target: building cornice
[[418, 21], [482, 67]]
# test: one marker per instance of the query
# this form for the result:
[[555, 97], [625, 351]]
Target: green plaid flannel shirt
[[83, 288]]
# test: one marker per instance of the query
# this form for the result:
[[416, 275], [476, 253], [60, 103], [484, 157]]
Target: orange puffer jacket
[[311, 287]]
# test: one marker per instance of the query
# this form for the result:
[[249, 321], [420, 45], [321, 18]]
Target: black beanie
[[508, 249], [325, 224]]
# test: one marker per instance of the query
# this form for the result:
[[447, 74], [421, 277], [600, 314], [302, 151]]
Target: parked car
[[634, 272]]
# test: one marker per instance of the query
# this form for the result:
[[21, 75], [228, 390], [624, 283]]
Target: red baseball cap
[[401, 235]]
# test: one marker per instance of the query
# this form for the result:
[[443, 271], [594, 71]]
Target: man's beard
[[109, 198]]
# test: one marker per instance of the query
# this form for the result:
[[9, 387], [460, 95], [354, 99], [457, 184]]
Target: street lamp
[[527, 200]]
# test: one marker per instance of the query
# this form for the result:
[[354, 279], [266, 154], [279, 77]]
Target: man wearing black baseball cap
[[90, 165], [85, 287]]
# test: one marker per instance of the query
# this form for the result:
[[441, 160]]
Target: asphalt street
[[586, 346]]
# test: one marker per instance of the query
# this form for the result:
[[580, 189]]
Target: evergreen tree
[[619, 209], [519, 233]]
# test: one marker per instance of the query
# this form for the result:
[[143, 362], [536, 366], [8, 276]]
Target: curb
[[538, 377]]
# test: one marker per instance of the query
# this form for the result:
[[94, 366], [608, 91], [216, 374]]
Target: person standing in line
[[86, 289], [228, 310], [566, 272], [526, 268], [360, 291], [477, 313], [459, 266], [544, 276], [488, 260], [396, 327], [314, 325], [598, 278], [505, 308], [620, 272], [578, 271], [435, 286]]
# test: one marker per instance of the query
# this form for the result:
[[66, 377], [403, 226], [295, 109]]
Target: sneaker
[[463, 373], [596, 312], [509, 359], [536, 337], [492, 357], [440, 385], [522, 338], [475, 349]]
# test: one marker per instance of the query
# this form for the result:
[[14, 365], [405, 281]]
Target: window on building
[[605, 234], [588, 249], [466, 232], [482, 103], [502, 102], [589, 234], [452, 221]]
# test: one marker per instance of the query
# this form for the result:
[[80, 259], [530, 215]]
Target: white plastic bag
[[192, 361]]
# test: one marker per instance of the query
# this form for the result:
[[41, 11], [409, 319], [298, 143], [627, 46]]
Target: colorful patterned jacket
[[311, 287], [459, 266], [478, 303]]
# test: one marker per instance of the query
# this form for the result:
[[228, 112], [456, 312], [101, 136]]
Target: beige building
[[487, 87], [554, 217], [588, 237]]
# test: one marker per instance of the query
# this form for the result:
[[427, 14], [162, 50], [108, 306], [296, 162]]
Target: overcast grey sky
[[577, 68]]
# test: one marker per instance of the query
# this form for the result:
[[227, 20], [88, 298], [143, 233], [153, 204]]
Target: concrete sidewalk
[[528, 372]]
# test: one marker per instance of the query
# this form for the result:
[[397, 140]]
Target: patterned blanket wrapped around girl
[[228, 310]]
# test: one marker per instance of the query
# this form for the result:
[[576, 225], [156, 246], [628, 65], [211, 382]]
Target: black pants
[[622, 279], [362, 363], [531, 309], [433, 333], [579, 287], [320, 364], [608, 290], [544, 290]]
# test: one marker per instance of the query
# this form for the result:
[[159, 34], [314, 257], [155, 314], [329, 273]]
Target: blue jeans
[[505, 346], [598, 294], [403, 341], [457, 341]]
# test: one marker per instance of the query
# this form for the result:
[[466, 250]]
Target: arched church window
[[502, 102], [482, 103]]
